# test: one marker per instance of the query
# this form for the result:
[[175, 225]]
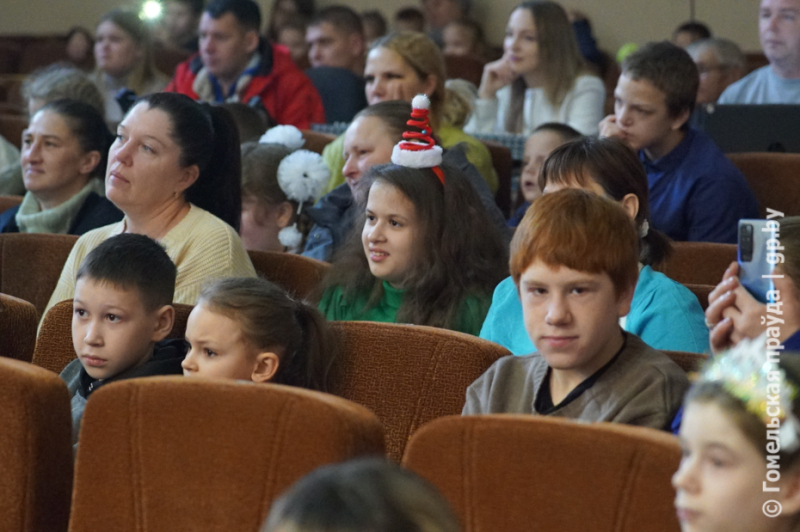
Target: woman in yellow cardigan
[[174, 172], [400, 66]]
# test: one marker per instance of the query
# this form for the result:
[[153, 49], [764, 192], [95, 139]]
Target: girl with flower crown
[[424, 251], [737, 415]]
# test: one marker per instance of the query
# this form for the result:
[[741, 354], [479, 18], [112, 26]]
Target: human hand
[[732, 313], [496, 75]]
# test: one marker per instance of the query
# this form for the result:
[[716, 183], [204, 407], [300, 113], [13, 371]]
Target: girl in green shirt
[[424, 251]]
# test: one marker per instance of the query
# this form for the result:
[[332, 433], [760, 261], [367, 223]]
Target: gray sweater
[[641, 387]]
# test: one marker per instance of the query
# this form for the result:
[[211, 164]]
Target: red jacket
[[287, 94]]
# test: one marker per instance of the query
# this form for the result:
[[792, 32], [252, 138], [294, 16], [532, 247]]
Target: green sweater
[[337, 308]]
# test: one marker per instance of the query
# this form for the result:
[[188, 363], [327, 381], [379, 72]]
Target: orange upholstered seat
[[54, 348], [774, 179], [298, 275], [35, 449], [31, 263], [18, 320], [524, 473], [695, 263], [173, 453], [407, 374]]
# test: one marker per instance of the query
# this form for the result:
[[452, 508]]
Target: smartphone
[[757, 256]]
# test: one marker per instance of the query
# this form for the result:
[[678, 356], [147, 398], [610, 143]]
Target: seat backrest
[[54, 349], [774, 179], [11, 127], [701, 292], [35, 449], [213, 460], [407, 374], [522, 473], [18, 321], [699, 262], [31, 263], [503, 163], [315, 141], [7, 202], [463, 67], [298, 275], [689, 362]]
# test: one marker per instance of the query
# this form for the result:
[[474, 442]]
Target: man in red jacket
[[235, 65]]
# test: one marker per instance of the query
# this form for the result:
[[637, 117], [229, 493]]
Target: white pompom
[[288, 136], [303, 175], [290, 237], [420, 101]]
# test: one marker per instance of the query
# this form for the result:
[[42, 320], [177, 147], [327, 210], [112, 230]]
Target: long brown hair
[[460, 252], [559, 56], [270, 319], [144, 73]]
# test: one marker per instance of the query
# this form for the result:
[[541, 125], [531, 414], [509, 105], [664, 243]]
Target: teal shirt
[[664, 313], [336, 308]]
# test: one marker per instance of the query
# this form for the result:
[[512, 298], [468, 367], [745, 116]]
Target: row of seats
[[223, 451]]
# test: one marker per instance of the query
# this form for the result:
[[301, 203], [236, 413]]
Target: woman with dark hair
[[174, 171], [660, 307], [123, 53], [64, 153], [541, 77]]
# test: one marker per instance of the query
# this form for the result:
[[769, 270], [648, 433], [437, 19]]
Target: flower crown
[[750, 374], [419, 150]]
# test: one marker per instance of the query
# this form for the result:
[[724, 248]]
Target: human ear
[[429, 84], [89, 162], [251, 41], [188, 176], [681, 119], [266, 367], [624, 301], [165, 318], [631, 205], [285, 214]]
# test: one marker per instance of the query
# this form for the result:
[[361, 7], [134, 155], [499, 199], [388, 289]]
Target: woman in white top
[[540, 78]]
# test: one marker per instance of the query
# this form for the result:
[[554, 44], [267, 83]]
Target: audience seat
[[54, 348], [171, 453], [7, 202], [31, 263], [694, 263], [774, 179], [407, 374], [298, 275], [463, 67], [522, 473], [701, 292], [18, 320], [42, 51], [35, 449], [316, 141], [755, 60], [166, 59], [503, 163], [11, 127], [689, 362]]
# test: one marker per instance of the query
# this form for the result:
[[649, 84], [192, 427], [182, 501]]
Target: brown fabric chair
[[695, 263], [407, 374], [30, 265], [755, 60], [463, 67], [11, 127], [166, 59], [7, 202], [18, 320], [689, 362], [316, 142], [214, 460], [298, 275], [522, 473], [503, 163], [35, 449], [54, 349], [41, 51], [774, 179]]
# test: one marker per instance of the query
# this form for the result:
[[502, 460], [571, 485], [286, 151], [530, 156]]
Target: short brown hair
[[579, 230], [670, 69]]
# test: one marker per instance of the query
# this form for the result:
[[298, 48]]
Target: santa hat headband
[[418, 150]]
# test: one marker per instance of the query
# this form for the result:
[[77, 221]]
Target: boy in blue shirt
[[696, 193]]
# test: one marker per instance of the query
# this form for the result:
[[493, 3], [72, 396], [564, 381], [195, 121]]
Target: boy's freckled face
[[112, 331], [571, 316]]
